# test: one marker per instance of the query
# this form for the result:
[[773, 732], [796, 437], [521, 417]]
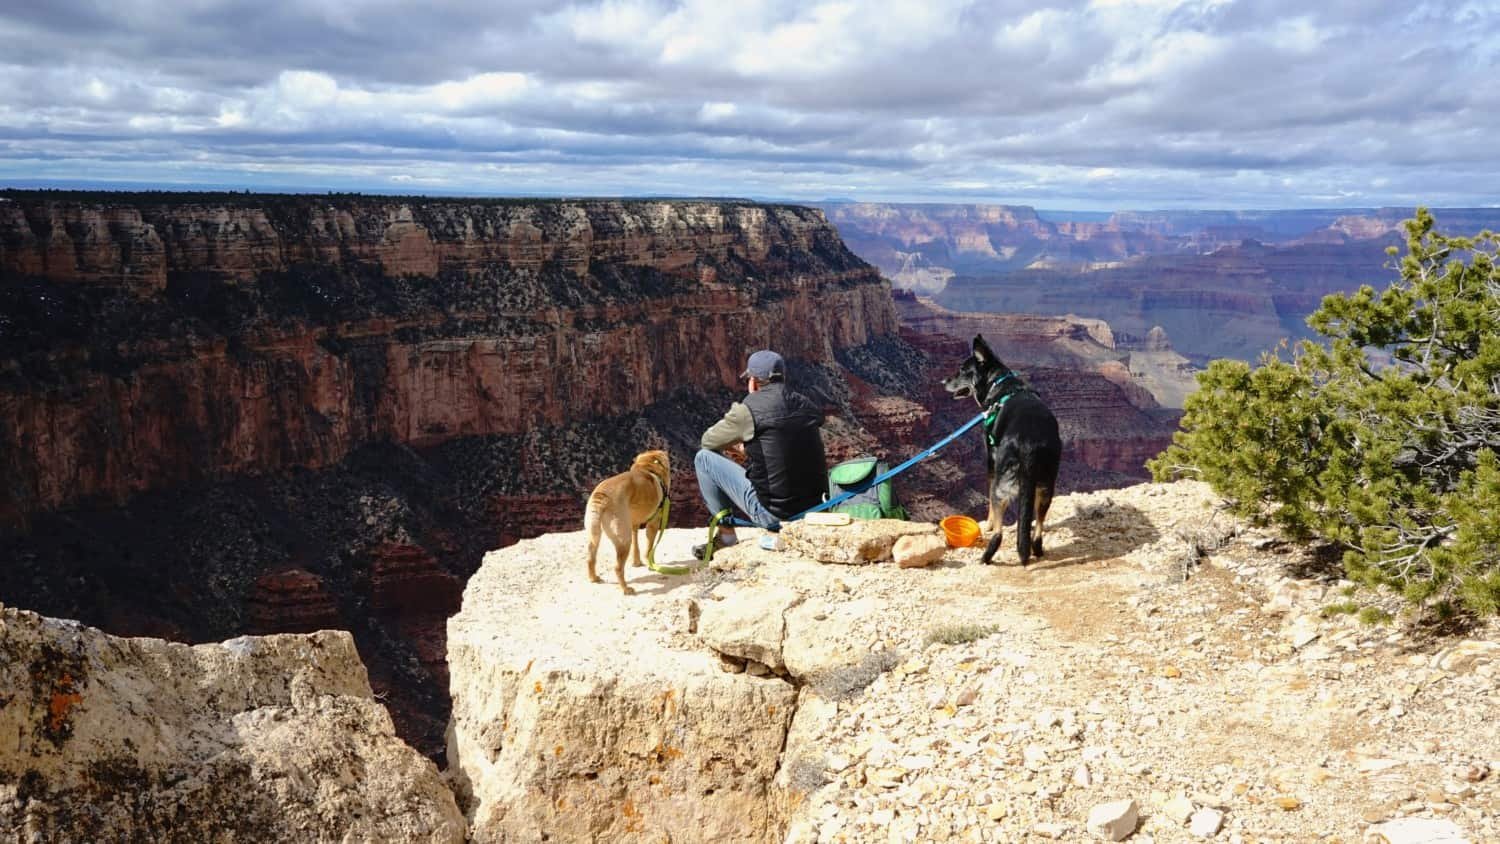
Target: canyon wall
[[223, 414], [1221, 283], [178, 343], [1236, 302]]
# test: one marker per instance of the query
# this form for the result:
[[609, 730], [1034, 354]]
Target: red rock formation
[[407, 580], [981, 238], [562, 327], [291, 601], [144, 242], [527, 516], [894, 420], [408, 586]]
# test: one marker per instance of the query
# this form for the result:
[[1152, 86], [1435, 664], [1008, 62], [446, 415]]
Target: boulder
[[857, 543], [273, 738], [826, 637], [583, 714], [1468, 654], [914, 552], [1113, 821], [747, 623]]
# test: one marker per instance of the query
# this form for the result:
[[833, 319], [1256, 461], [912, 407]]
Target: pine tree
[[1383, 438]]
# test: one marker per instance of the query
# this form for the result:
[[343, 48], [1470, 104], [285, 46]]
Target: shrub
[[959, 634], [1384, 437]]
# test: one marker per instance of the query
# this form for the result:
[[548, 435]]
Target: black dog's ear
[[982, 350]]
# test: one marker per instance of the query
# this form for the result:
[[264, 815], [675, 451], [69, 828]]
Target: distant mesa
[[1221, 283]]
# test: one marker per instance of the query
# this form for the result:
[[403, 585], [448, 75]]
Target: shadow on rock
[[1102, 531], [649, 582]]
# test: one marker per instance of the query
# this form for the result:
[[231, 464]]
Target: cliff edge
[[274, 738], [1161, 654]]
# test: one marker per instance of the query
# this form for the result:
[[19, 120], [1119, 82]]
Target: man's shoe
[[719, 543]]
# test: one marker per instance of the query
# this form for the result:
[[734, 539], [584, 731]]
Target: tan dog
[[624, 503]]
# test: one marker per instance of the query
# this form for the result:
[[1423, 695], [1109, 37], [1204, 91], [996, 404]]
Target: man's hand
[[736, 452]]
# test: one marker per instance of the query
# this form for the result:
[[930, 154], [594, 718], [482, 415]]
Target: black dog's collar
[[996, 383]]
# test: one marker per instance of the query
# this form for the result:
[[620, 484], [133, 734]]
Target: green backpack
[[877, 502]]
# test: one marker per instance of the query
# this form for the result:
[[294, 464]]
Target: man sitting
[[776, 429]]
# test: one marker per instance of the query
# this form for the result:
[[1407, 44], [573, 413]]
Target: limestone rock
[[1206, 823], [748, 623], [1466, 655], [1302, 632], [583, 714], [911, 552], [1113, 821], [857, 543], [824, 636], [1416, 831], [1179, 809], [1288, 595], [273, 738]]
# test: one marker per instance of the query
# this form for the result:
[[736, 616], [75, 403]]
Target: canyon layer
[[1218, 283]]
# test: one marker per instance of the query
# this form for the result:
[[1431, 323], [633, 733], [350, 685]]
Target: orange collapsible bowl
[[961, 531]]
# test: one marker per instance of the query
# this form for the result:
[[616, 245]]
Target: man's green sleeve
[[737, 426]]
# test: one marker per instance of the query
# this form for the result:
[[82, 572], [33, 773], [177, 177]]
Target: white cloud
[[1099, 101], [717, 111]]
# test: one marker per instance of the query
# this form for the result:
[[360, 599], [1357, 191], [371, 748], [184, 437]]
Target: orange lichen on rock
[[62, 700]]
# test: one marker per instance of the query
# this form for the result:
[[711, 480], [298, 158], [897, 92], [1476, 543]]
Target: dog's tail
[[1025, 512], [598, 502]]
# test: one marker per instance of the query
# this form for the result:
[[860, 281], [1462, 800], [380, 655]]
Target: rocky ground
[[1163, 661], [1164, 655]]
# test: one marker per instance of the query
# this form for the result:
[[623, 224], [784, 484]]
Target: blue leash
[[891, 473]]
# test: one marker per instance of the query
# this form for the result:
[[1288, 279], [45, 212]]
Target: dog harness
[[992, 412]]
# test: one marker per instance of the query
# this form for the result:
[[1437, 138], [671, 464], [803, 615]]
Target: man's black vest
[[786, 456]]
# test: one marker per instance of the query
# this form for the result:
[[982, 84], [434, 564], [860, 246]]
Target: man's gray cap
[[763, 364]]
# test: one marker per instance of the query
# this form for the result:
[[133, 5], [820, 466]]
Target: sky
[[1094, 105]]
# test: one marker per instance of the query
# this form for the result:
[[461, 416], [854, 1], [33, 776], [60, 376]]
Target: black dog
[[1024, 447]]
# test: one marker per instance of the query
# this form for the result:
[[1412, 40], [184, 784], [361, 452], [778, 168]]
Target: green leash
[[713, 533], [661, 528]]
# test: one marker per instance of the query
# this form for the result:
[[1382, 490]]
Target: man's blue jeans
[[724, 485]]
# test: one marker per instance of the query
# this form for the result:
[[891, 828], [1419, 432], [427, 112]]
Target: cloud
[[1082, 103]]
